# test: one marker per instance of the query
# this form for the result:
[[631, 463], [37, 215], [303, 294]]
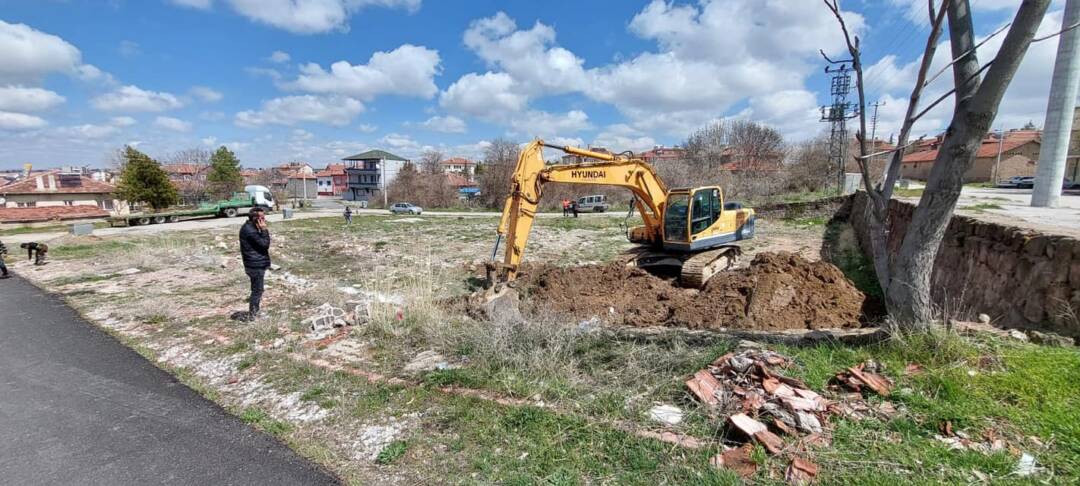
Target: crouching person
[[255, 251], [35, 252]]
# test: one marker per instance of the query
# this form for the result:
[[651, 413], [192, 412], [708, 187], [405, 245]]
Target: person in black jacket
[[255, 251]]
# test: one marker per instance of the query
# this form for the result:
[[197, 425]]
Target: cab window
[[716, 205], [702, 212]]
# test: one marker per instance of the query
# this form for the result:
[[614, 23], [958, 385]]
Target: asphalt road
[[78, 407]]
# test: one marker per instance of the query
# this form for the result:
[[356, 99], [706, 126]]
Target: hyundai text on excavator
[[689, 229]]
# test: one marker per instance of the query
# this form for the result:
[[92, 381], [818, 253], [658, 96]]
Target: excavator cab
[[697, 219]]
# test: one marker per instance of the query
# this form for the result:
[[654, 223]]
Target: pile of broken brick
[[763, 406]]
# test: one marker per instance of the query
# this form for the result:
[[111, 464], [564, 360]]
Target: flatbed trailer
[[239, 203]]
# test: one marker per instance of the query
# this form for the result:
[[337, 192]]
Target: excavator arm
[[530, 176]]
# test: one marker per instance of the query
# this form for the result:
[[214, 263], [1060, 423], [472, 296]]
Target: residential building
[[660, 153], [370, 172], [1019, 152], [301, 185], [467, 189], [460, 165], [332, 180], [73, 195], [189, 179]]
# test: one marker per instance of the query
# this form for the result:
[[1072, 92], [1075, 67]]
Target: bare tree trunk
[[908, 294]]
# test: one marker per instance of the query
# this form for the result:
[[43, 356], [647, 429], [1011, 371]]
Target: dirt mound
[[777, 291]]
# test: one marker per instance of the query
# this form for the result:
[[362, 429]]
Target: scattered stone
[[984, 319], [770, 441], [666, 414], [706, 387], [856, 377], [427, 361], [737, 460], [800, 472], [130, 271], [1049, 339], [1026, 465], [374, 438], [1018, 335], [275, 267], [808, 422], [746, 425]]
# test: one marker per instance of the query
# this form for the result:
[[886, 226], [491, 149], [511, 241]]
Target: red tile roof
[[29, 186], [50, 213], [184, 169], [458, 180], [332, 170], [989, 148]]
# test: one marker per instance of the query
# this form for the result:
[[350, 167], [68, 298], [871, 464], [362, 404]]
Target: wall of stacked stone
[[1021, 278]]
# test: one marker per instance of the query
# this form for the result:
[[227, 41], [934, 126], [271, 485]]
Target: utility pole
[[1059, 113], [873, 137], [997, 163], [837, 114]]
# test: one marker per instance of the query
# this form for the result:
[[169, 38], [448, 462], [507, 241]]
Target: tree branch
[[1007, 61], [947, 66]]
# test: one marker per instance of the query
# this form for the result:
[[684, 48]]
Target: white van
[[596, 204]]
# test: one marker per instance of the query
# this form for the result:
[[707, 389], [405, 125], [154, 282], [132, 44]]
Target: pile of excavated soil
[[777, 291]]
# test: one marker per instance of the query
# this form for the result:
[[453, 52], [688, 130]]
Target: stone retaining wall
[[1021, 278]]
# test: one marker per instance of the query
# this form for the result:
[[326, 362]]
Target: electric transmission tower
[[837, 114]]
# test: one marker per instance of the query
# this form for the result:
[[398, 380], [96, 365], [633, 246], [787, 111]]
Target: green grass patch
[[981, 207], [265, 422], [898, 192], [392, 452]]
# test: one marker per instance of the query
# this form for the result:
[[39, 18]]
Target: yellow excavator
[[688, 229]]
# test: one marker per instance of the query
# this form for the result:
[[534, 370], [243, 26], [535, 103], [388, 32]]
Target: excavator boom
[[532, 173]]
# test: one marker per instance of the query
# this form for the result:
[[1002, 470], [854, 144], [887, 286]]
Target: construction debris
[[1026, 466], [427, 361], [865, 374], [326, 317], [666, 414], [800, 472], [737, 460]]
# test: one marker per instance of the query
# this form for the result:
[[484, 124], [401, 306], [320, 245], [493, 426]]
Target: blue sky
[[316, 80]]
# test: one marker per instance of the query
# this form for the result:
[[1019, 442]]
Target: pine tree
[[224, 177], [144, 181]]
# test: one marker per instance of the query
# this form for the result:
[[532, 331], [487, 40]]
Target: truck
[[237, 204]]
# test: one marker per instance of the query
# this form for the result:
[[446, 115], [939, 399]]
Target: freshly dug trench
[[777, 291]]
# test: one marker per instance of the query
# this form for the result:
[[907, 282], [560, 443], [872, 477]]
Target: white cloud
[[408, 70], [20, 121], [273, 74], [445, 124], [23, 100], [620, 136], [206, 94], [529, 56], [134, 99], [398, 141], [87, 131], [301, 134], [199, 4], [311, 16], [366, 127], [483, 94], [279, 57], [544, 124], [174, 124], [28, 54], [209, 141], [122, 121], [290, 110]]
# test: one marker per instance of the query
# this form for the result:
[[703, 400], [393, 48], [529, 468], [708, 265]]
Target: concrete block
[[82, 229]]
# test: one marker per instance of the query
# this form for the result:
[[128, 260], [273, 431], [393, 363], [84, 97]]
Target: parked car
[[405, 208], [1018, 182], [596, 204]]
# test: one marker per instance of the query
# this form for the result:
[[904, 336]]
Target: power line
[[837, 115]]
